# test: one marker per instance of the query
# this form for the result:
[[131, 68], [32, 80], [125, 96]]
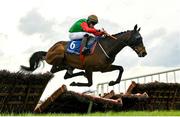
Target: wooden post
[[90, 106]]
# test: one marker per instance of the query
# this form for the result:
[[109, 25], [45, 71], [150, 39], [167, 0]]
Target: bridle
[[136, 41], [132, 44]]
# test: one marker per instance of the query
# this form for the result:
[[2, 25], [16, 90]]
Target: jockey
[[83, 29]]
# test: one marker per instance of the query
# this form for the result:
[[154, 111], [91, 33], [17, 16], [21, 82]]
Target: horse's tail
[[34, 61]]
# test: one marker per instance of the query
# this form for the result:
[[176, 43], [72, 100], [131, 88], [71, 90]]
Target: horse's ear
[[139, 29], [135, 27]]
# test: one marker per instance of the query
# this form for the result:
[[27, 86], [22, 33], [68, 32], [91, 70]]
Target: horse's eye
[[137, 37]]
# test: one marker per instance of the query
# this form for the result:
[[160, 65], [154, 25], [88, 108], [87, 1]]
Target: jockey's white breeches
[[79, 35]]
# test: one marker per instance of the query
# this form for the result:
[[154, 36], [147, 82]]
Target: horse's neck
[[113, 47]]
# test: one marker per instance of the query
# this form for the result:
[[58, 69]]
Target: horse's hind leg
[[57, 64], [89, 78], [56, 68], [112, 68], [67, 75]]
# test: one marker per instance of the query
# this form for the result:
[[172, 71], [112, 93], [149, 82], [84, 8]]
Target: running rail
[[164, 76]]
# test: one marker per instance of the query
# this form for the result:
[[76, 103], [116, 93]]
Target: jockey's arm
[[94, 31]]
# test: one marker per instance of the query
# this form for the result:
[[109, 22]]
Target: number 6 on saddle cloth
[[74, 46]]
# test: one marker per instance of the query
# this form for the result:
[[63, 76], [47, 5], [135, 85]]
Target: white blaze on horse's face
[[138, 45]]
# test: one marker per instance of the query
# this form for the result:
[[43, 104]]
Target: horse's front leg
[[88, 74], [112, 68]]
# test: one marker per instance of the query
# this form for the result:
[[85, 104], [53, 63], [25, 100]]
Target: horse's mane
[[121, 33]]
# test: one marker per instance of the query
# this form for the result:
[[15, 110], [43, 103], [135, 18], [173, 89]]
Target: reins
[[103, 50], [113, 37]]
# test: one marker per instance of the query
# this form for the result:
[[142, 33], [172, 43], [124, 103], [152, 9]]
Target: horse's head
[[136, 42]]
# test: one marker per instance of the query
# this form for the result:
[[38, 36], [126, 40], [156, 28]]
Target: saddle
[[74, 46]]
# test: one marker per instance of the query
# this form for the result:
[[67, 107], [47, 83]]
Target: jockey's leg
[[84, 44]]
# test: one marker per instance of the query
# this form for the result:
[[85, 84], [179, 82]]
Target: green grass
[[128, 113]]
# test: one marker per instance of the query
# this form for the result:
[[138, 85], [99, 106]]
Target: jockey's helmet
[[93, 19]]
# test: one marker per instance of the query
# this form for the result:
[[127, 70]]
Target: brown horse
[[104, 54]]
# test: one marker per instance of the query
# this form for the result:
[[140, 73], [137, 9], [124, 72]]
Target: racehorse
[[101, 60]]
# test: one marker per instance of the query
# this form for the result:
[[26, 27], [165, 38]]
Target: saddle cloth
[[74, 46]]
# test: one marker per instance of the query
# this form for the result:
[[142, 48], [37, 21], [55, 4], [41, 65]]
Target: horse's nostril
[[144, 54]]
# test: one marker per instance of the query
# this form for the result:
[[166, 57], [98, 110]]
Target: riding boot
[[84, 43]]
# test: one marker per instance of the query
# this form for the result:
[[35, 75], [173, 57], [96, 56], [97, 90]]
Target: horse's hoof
[[82, 73], [73, 84], [67, 76], [49, 73], [111, 83]]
